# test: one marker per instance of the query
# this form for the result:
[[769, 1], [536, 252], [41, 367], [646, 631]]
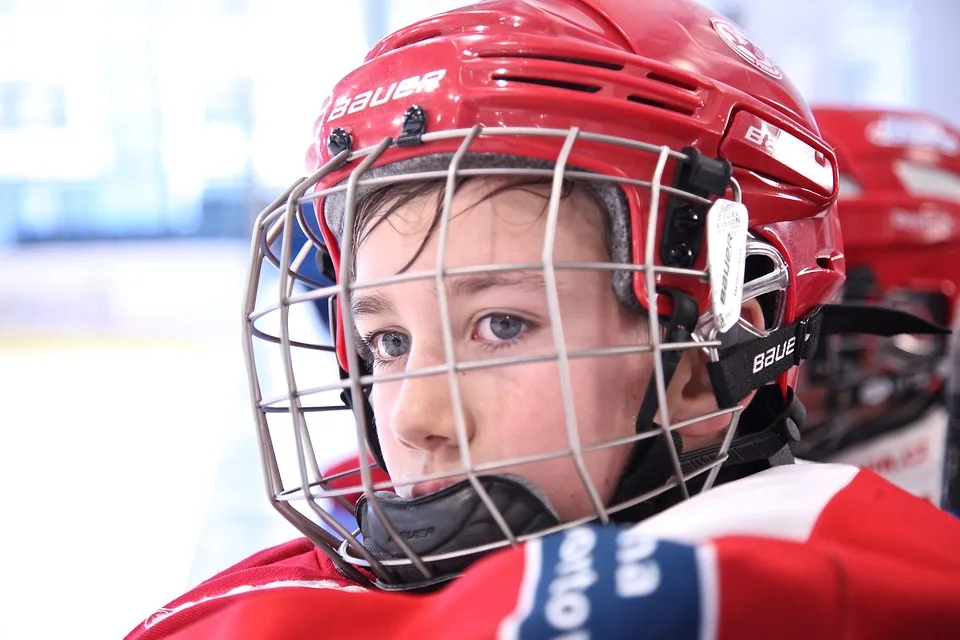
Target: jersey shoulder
[[294, 564], [783, 502], [814, 503]]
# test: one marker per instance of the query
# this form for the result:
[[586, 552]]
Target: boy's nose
[[424, 416]]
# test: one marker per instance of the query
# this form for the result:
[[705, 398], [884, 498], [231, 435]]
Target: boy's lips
[[427, 487]]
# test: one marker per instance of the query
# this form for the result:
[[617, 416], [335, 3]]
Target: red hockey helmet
[[900, 213], [899, 194], [711, 169]]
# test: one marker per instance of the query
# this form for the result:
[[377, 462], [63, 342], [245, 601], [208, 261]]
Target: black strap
[[650, 463], [678, 328], [877, 321], [750, 365]]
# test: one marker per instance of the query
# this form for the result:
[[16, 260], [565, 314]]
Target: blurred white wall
[[937, 52], [123, 389], [862, 52]]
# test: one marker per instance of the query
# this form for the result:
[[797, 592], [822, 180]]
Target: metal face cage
[[296, 386]]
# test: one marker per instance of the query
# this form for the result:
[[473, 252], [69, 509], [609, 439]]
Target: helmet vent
[[418, 35], [676, 82], [687, 111], [559, 84]]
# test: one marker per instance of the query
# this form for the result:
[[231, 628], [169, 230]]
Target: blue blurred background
[[138, 140]]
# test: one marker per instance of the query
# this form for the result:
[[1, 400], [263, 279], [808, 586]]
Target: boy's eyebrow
[[474, 284], [373, 303], [369, 303]]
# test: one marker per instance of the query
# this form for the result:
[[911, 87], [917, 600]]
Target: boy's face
[[509, 411]]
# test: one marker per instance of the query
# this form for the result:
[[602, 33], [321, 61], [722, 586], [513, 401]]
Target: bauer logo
[[426, 83], [734, 38], [775, 354]]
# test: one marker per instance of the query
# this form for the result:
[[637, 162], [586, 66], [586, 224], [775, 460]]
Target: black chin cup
[[450, 520]]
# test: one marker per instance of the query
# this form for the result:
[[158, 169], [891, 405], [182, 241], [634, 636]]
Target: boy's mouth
[[427, 487]]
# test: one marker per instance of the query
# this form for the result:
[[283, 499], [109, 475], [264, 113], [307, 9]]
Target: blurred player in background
[[952, 466], [873, 401], [581, 248]]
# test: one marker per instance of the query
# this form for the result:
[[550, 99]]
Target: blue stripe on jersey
[[608, 582]]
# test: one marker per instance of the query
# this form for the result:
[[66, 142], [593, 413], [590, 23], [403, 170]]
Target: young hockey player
[[581, 248]]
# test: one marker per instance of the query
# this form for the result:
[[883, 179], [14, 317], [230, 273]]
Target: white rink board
[[129, 458]]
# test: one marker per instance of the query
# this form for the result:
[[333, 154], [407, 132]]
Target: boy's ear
[[691, 394]]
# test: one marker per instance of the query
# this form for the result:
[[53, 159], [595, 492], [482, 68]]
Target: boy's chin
[[698, 436]]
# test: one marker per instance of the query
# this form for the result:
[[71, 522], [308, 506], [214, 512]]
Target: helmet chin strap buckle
[[451, 520]]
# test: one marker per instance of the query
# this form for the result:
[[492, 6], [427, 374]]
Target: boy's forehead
[[485, 225], [377, 301]]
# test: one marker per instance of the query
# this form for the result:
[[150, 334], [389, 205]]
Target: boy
[[580, 248]]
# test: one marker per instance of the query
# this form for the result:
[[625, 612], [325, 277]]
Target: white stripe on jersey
[[163, 614], [783, 502]]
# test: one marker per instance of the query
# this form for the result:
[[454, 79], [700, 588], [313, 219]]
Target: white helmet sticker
[[746, 48], [726, 259], [912, 131]]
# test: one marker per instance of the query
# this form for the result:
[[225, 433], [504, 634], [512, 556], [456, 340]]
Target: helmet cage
[[297, 483]]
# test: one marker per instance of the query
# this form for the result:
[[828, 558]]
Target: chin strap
[[650, 464], [750, 451], [750, 365]]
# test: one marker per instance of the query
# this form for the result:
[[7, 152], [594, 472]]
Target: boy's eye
[[500, 327], [392, 344]]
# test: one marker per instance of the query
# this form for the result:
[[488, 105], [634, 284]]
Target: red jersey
[[799, 551]]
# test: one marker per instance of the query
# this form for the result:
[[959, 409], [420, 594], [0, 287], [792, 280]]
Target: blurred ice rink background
[[138, 139]]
